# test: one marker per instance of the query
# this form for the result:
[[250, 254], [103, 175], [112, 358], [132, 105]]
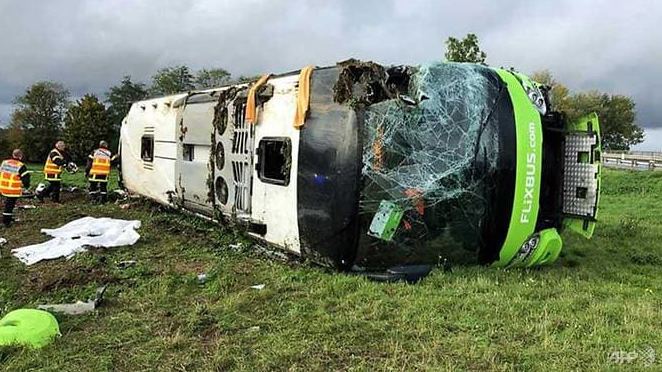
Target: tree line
[[45, 112]]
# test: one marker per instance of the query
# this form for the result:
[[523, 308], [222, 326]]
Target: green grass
[[601, 296]]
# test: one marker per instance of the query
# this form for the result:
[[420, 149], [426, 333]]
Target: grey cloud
[[89, 45]]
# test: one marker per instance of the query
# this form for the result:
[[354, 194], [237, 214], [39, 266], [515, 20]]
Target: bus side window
[[147, 148], [187, 152], [275, 160]]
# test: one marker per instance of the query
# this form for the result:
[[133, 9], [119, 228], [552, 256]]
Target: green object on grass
[[28, 327], [386, 220]]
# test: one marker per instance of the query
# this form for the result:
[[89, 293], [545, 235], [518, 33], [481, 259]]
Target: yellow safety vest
[[10, 179], [51, 170], [101, 160]]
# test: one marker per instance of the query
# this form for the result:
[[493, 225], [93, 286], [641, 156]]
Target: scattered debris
[[236, 247], [70, 189], [126, 264], [253, 329], [120, 192], [40, 187], [3, 241], [28, 327], [79, 307], [409, 273], [28, 206], [73, 237], [127, 205], [202, 278], [258, 286]]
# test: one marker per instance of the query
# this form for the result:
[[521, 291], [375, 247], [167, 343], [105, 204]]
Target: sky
[[612, 46]]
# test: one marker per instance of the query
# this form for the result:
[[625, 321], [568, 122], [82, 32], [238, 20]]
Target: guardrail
[[633, 159]]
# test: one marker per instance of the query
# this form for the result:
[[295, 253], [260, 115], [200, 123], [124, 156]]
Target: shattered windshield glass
[[428, 161]]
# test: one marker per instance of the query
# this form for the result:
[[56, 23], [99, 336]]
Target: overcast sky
[[611, 45]]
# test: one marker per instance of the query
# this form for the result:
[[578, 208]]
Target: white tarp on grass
[[75, 236]]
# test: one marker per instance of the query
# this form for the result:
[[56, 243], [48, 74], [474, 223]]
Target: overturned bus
[[360, 163]]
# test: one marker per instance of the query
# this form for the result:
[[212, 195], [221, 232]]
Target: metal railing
[[633, 159]]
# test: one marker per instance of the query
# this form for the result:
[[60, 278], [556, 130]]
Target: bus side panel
[[329, 176], [156, 125]]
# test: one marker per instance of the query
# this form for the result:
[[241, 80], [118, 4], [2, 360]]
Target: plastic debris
[[73, 237], [79, 307], [202, 278], [3, 241], [28, 327], [126, 264], [29, 206], [40, 187], [258, 286], [410, 273]]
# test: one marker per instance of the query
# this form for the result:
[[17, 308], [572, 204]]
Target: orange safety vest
[[10, 179], [51, 170], [101, 160]]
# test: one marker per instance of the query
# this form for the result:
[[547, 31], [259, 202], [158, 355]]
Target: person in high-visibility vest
[[14, 178], [98, 172], [57, 159]]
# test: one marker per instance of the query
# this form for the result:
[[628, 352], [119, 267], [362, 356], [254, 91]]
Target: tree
[[85, 125], [246, 79], [16, 136], [213, 78], [465, 50], [617, 117], [119, 99], [5, 148], [560, 94], [38, 117], [171, 80]]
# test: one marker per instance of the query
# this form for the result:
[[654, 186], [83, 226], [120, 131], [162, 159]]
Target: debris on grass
[[258, 286], [127, 205], [75, 236], [126, 264], [202, 278], [28, 206], [79, 307], [120, 192]]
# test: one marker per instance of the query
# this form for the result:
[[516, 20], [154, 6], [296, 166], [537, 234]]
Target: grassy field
[[602, 296]]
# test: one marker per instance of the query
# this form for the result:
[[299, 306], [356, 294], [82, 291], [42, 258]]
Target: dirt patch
[[56, 276], [191, 267]]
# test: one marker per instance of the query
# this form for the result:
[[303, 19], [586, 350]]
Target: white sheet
[[75, 236]]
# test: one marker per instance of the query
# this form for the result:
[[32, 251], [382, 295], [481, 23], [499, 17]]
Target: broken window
[[147, 148], [430, 156], [275, 160], [187, 152]]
